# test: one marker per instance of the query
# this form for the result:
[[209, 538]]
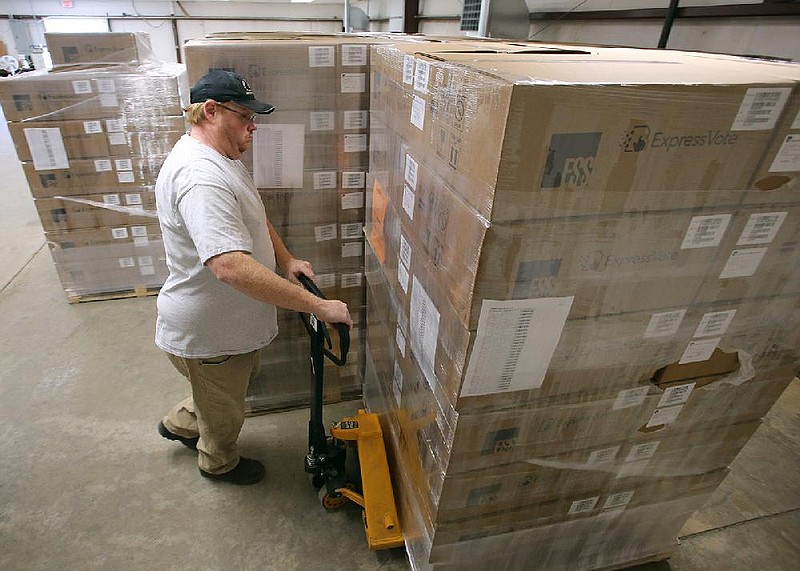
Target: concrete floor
[[87, 483]]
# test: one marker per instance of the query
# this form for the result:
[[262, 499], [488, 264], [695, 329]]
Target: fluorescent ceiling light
[[301, 1]]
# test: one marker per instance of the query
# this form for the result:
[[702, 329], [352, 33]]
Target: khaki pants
[[215, 411]]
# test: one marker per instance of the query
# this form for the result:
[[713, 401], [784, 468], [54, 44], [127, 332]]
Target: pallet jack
[[351, 463]]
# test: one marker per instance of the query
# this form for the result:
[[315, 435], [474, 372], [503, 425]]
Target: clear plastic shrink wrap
[[583, 291]]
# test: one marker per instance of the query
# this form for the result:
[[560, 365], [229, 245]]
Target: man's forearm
[[242, 272]]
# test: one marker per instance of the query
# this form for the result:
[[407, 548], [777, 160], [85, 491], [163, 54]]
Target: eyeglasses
[[247, 117]]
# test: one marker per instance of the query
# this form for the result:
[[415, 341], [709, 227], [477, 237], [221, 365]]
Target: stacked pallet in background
[[309, 161], [91, 140], [583, 291]]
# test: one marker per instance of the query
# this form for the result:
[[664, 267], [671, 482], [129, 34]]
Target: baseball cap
[[224, 86]]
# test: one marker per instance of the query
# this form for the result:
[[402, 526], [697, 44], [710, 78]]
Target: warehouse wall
[[767, 36]]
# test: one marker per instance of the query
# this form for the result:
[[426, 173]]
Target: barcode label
[[760, 109], [321, 56], [761, 228], [705, 231], [664, 324]]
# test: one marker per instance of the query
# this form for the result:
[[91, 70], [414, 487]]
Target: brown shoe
[[246, 472]]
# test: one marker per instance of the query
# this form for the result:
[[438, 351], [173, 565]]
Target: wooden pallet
[[109, 295]]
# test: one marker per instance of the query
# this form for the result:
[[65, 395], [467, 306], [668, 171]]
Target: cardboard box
[[610, 264], [94, 94], [50, 145], [89, 176], [501, 138], [109, 268], [140, 236], [96, 210], [291, 71], [98, 48]]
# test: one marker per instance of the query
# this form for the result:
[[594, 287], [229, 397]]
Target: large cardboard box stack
[[309, 160], [583, 291], [91, 142]]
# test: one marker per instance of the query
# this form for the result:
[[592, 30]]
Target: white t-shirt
[[207, 205]]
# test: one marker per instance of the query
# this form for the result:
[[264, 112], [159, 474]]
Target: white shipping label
[[422, 73], [326, 179], [408, 202], [126, 262], [106, 86], [664, 324], [678, 394], [411, 171], [111, 199], [714, 323], [408, 69], [761, 228], [397, 383], [323, 233], [618, 500], [354, 82], [133, 199], [354, 54], [321, 121], [403, 277], [108, 100], [325, 281], [664, 416], [354, 179], [352, 249], [642, 451], [602, 456], [418, 112], [352, 200], [125, 177], [742, 263], [353, 230], [356, 119], [123, 164], [117, 139], [103, 165], [145, 260], [351, 280], [278, 152], [788, 157], [699, 350], [47, 148], [147, 270], [119, 233], [424, 327], [92, 127], [405, 252], [514, 344], [400, 340], [583, 506], [627, 398], [82, 86], [141, 242], [355, 143], [115, 125], [321, 56], [760, 108], [705, 231], [139, 231]]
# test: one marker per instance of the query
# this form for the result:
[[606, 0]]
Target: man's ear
[[209, 108]]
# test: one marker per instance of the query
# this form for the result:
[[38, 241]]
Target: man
[[217, 308]]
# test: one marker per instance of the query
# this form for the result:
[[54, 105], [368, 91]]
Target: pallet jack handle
[[311, 327]]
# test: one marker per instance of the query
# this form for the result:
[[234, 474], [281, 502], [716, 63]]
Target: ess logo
[[570, 159], [593, 261], [635, 140]]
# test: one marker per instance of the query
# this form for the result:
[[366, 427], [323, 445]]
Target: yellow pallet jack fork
[[329, 457]]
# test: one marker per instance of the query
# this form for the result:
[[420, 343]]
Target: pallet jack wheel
[[333, 502]]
